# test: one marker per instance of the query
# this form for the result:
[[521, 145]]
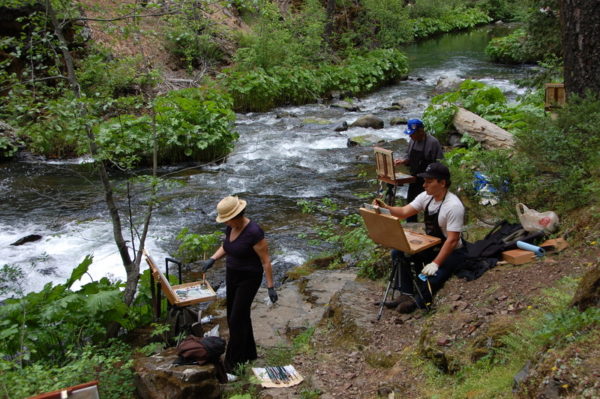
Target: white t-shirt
[[451, 215]]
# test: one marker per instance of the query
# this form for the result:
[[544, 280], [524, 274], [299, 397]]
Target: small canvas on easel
[[181, 294], [387, 230]]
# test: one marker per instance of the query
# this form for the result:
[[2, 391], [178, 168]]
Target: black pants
[[414, 189], [410, 266], [241, 290]]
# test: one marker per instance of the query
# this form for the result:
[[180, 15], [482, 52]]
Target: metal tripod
[[395, 281]]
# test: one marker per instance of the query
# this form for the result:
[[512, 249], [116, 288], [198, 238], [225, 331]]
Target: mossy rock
[[344, 329], [588, 291], [442, 358], [485, 343]]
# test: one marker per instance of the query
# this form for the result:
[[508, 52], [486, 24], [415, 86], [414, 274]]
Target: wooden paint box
[[518, 256]]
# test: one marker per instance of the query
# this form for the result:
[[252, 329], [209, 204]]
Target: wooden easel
[[176, 294], [387, 230], [386, 173]]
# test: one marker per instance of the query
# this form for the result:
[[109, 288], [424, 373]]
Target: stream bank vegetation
[[57, 337]]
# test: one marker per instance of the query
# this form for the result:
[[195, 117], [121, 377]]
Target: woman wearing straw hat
[[247, 256]]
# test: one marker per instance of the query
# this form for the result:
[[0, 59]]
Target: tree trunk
[[330, 20], [488, 134], [132, 267], [581, 45]]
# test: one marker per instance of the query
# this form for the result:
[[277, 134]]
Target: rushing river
[[276, 162]]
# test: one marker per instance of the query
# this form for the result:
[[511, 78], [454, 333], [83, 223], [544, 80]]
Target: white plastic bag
[[532, 220]]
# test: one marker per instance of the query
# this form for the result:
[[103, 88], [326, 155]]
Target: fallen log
[[490, 136]]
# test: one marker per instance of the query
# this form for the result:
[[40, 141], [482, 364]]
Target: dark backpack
[[502, 237], [201, 350], [196, 350]]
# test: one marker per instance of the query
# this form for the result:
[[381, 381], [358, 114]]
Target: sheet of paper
[[277, 377]]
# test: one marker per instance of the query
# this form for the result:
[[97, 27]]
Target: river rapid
[[283, 156]]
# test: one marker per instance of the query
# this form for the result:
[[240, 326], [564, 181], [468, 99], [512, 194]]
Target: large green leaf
[[79, 271]]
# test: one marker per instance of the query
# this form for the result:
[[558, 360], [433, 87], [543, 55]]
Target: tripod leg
[[387, 290]]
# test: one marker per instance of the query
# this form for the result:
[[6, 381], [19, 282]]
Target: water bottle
[[206, 319]]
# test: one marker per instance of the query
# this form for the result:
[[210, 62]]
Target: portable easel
[[181, 295], [386, 173], [387, 231]]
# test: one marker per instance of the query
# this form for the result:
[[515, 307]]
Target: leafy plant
[[509, 49], [188, 124], [193, 39], [195, 247]]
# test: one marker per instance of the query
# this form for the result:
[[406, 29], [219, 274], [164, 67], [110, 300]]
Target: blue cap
[[412, 125]]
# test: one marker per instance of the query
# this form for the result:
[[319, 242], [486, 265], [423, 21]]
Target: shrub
[[190, 124], [554, 165], [101, 75], [295, 39], [262, 89], [193, 41], [390, 20], [195, 247], [509, 49]]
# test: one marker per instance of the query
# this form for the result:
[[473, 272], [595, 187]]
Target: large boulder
[[157, 378], [368, 121]]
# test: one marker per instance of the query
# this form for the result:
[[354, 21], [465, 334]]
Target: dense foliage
[[554, 165], [188, 124], [57, 336], [261, 89], [538, 40]]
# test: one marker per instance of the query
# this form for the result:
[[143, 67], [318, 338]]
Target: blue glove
[[272, 294], [207, 264]]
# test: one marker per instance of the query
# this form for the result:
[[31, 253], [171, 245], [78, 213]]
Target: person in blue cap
[[423, 150]]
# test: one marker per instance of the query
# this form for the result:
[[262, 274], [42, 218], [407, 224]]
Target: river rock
[[364, 140], [446, 84], [26, 239], [157, 378], [368, 121], [282, 115], [342, 127], [404, 103], [398, 121], [346, 106]]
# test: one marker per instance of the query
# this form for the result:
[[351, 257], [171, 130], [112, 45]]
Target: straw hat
[[229, 207]]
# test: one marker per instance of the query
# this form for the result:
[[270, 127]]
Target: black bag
[[502, 237], [196, 350], [201, 350]]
